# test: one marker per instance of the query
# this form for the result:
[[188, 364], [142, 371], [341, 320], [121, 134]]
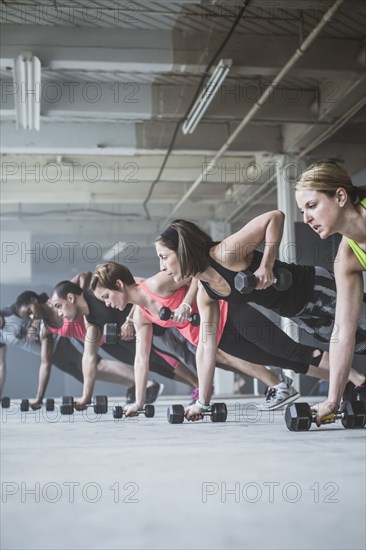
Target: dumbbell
[[166, 314], [245, 281], [5, 402], [217, 412], [49, 405], [99, 403], [299, 416], [111, 333], [148, 411]]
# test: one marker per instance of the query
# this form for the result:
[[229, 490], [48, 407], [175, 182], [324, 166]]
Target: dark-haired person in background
[[55, 345], [73, 303], [55, 350]]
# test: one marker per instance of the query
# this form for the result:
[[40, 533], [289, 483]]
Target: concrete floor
[[72, 482]]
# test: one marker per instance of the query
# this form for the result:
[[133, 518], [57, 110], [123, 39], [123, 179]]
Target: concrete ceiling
[[117, 80]]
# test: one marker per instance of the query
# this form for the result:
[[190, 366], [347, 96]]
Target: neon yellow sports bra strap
[[360, 254]]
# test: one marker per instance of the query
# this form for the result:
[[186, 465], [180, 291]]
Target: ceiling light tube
[[207, 94], [27, 86]]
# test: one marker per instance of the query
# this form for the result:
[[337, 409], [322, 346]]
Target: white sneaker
[[278, 396]]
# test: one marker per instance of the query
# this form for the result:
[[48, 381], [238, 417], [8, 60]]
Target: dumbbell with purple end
[[245, 281], [166, 314]]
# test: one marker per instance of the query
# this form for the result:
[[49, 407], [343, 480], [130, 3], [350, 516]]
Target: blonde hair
[[327, 176], [106, 276]]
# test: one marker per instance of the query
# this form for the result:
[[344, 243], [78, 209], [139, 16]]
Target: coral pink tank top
[[173, 302]]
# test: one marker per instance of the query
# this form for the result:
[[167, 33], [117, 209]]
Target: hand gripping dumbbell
[[299, 416], [49, 405], [99, 403], [112, 333], [166, 314], [217, 412], [245, 281], [148, 411]]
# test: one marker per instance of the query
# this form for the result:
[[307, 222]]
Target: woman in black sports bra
[[186, 250]]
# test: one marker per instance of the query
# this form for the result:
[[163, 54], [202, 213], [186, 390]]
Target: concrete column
[[287, 170], [224, 380]]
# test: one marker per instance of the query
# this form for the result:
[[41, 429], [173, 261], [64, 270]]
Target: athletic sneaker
[[130, 395], [278, 396], [349, 393], [152, 393], [361, 392], [195, 394]]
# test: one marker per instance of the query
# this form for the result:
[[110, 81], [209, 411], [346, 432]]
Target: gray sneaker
[[152, 393], [278, 396]]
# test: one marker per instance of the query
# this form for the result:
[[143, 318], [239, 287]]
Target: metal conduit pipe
[[296, 56], [326, 134]]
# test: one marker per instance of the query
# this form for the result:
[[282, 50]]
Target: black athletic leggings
[[69, 359], [250, 335], [125, 351]]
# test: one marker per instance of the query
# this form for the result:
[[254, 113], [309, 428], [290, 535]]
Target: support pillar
[[287, 170]]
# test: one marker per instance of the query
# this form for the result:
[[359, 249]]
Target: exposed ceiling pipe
[[334, 127], [326, 134], [296, 56], [259, 191]]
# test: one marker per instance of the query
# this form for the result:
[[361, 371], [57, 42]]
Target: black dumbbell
[[25, 405], [217, 412], [148, 411], [111, 333], [5, 402], [245, 281], [99, 403], [166, 314], [299, 416]]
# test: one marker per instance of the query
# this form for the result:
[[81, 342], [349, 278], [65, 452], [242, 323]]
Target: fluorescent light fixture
[[113, 251], [27, 91], [206, 96]]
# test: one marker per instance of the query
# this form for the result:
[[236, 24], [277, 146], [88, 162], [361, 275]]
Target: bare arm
[[142, 358], [128, 328], [183, 312], [2, 368], [47, 348], [89, 363], [349, 299], [235, 251], [207, 347], [83, 279]]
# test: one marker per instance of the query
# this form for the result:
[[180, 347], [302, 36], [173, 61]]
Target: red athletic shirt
[[173, 302], [72, 329]]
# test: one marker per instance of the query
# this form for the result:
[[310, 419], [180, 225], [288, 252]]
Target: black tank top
[[287, 303], [100, 314]]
